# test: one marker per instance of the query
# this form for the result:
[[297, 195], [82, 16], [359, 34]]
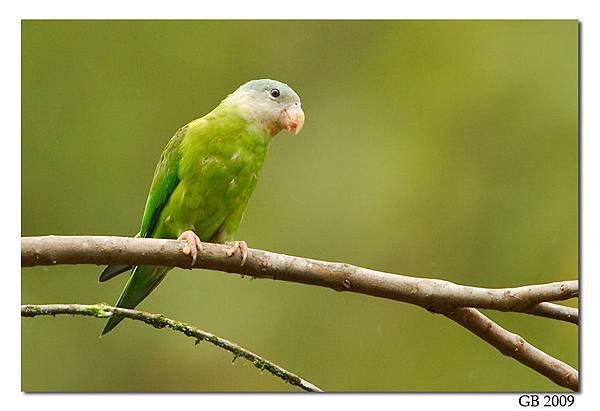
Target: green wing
[[144, 279], [166, 178]]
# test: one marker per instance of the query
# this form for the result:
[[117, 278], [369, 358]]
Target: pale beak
[[292, 119]]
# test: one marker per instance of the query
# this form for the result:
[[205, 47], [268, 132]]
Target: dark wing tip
[[112, 271], [110, 324]]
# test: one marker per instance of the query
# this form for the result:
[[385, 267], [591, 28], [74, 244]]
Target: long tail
[[143, 280]]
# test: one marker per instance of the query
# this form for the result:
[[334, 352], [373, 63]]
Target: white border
[[506, 9]]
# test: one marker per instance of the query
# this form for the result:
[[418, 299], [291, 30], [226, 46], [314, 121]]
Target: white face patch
[[254, 105], [236, 155]]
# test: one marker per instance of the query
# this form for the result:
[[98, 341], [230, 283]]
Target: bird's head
[[270, 104]]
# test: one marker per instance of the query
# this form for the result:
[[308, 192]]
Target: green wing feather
[[144, 279], [166, 178]]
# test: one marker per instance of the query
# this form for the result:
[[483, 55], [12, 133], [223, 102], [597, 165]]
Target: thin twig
[[160, 321], [432, 294], [556, 311], [514, 346]]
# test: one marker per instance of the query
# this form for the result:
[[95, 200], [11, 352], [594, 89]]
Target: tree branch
[[432, 294], [160, 321], [556, 311], [514, 346]]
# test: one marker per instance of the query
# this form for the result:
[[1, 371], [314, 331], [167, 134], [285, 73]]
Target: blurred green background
[[444, 149]]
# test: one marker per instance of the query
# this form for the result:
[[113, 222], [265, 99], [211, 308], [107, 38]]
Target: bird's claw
[[234, 246], [194, 244]]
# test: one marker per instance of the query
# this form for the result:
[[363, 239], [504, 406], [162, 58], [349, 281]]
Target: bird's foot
[[193, 244], [238, 245]]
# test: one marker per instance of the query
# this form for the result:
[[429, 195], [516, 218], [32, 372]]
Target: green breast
[[220, 164]]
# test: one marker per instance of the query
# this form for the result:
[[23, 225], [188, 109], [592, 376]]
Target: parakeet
[[205, 176]]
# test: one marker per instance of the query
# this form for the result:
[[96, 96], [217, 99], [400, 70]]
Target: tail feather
[[143, 280], [113, 270]]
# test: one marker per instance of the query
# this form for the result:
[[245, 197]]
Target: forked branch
[[515, 346]]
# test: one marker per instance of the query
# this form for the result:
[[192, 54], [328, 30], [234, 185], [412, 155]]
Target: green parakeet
[[205, 177]]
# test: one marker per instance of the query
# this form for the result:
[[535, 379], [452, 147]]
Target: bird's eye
[[275, 93]]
